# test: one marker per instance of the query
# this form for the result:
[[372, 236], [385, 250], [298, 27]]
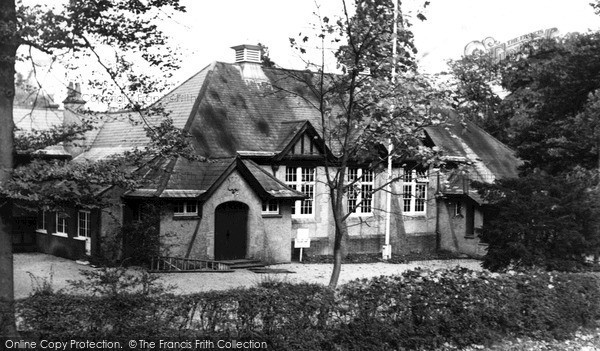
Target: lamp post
[[387, 248]]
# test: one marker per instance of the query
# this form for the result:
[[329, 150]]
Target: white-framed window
[[360, 192], [414, 191], [83, 224], [62, 221], [42, 225], [270, 207], [186, 208], [303, 180]]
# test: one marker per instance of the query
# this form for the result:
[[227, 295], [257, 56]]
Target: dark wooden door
[[231, 231]]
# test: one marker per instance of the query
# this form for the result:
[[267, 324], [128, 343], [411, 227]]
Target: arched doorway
[[231, 231]]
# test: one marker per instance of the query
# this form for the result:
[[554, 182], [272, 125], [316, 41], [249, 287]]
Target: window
[[42, 224], [360, 193], [186, 208], [270, 207], [83, 224], [303, 180], [414, 191], [61, 223]]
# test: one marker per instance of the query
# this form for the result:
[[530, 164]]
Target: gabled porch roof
[[184, 179]]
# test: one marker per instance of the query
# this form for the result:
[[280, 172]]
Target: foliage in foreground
[[419, 309], [551, 222]]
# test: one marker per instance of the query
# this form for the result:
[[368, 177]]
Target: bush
[[543, 221], [415, 310]]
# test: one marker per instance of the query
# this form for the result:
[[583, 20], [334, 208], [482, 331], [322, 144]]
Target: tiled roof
[[27, 118], [243, 115], [196, 179], [124, 131], [224, 113], [485, 159], [489, 158], [196, 175], [270, 184]]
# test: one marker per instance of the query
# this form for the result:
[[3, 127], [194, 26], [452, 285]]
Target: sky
[[208, 29]]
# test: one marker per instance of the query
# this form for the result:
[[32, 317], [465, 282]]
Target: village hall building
[[261, 184]]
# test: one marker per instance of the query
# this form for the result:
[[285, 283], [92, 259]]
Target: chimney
[[73, 96], [247, 53], [72, 115]]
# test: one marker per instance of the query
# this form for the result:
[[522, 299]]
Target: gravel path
[[59, 270]]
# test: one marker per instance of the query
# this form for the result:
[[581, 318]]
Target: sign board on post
[[302, 240]]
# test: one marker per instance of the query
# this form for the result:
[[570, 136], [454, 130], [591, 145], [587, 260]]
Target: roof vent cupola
[[248, 62], [247, 53]]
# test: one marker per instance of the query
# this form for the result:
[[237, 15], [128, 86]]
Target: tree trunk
[[597, 253], [8, 48], [339, 247]]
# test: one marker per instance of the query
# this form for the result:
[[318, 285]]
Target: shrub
[[116, 281], [416, 310], [540, 221]]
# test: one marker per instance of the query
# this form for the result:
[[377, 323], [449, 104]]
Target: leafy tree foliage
[[542, 221], [549, 89], [72, 31], [548, 114], [477, 91], [265, 57], [549, 217]]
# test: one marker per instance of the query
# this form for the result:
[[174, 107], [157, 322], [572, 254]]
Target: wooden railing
[[177, 264]]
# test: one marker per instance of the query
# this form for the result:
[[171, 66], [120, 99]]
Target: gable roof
[[466, 142], [485, 157], [183, 178]]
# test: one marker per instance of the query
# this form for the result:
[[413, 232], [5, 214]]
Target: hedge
[[418, 309]]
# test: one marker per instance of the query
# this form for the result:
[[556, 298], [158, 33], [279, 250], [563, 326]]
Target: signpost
[[302, 240]]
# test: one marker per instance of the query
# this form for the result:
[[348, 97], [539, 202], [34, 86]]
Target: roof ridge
[[200, 95]]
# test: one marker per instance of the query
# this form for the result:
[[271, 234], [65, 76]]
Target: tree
[[75, 30], [265, 57], [542, 221], [546, 114], [550, 116], [477, 79], [363, 108]]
